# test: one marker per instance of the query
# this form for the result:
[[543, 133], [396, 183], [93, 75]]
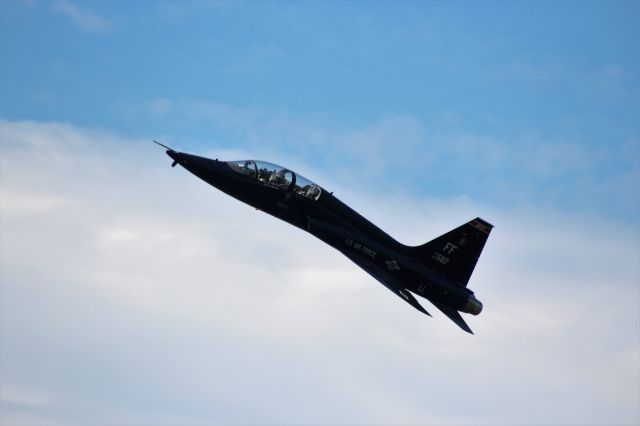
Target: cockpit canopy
[[275, 175]]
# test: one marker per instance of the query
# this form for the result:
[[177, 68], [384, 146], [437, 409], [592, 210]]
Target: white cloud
[[21, 396], [136, 294], [82, 18], [21, 204]]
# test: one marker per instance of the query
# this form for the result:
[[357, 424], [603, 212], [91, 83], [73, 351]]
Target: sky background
[[134, 294]]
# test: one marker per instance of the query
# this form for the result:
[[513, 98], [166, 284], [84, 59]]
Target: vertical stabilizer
[[455, 253]]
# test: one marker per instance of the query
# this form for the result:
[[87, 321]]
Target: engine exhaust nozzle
[[473, 306]]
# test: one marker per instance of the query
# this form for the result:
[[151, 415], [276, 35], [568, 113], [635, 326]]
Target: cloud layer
[[133, 293]]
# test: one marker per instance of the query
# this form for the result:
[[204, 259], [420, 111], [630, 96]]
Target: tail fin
[[455, 253]]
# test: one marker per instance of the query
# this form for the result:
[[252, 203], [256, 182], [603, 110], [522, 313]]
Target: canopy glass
[[275, 175]]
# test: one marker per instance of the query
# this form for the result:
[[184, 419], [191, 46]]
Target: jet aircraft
[[437, 271]]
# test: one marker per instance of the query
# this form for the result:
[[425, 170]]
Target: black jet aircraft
[[438, 270]]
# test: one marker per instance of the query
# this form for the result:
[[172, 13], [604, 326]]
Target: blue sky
[[421, 115], [552, 92]]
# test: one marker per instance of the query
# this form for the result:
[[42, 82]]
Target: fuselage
[[280, 193]]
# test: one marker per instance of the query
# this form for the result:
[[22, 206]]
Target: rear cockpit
[[272, 174]]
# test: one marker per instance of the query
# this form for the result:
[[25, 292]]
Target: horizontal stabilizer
[[453, 316]]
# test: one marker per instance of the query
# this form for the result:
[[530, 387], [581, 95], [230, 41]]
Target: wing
[[335, 234], [388, 281]]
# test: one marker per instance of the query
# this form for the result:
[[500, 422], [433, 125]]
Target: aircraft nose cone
[[176, 156]]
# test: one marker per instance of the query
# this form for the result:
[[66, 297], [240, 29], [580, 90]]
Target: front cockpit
[[278, 176]]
